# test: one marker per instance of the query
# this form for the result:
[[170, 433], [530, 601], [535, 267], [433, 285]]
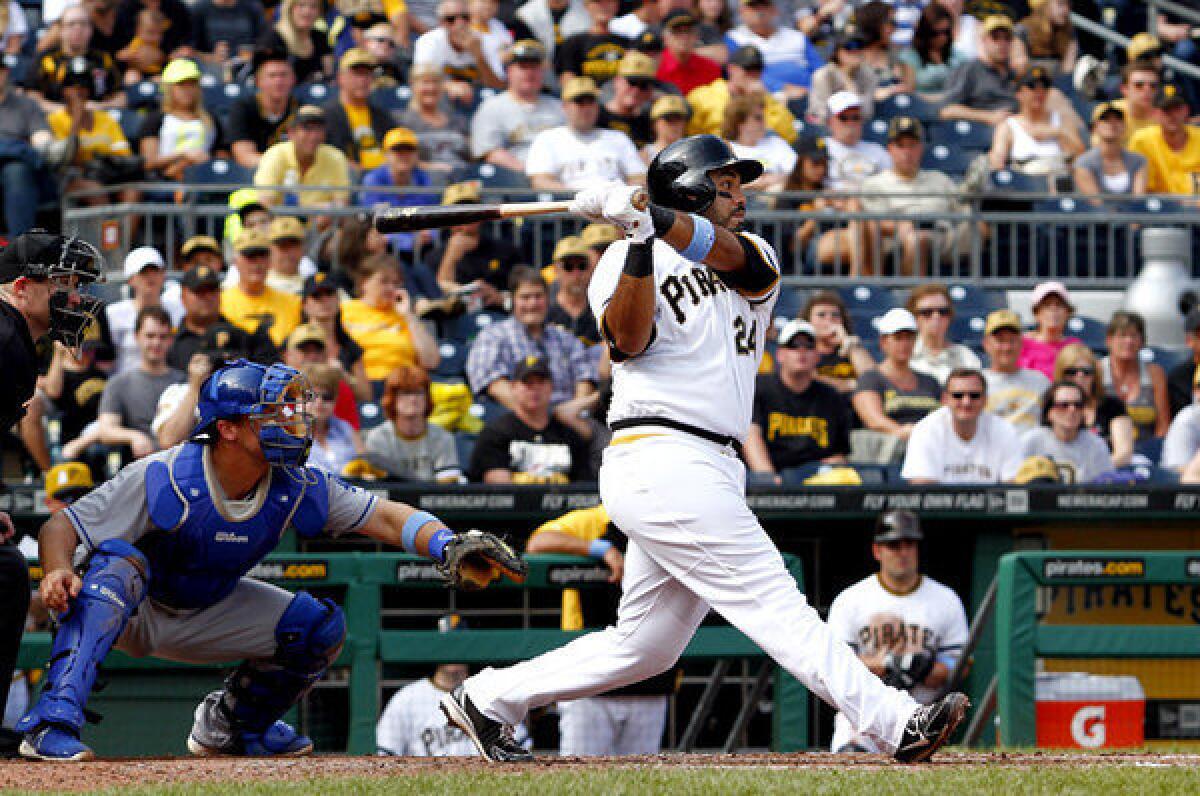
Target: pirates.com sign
[[1056, 568]]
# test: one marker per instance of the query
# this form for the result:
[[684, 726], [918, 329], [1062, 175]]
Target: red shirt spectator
[[679, 63]]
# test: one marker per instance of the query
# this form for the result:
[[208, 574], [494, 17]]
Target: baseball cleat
[[56, 744], [280, 740], [930, 727], [493, 739]]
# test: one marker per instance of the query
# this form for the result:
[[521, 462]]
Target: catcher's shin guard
[[310, 635], [113, 587]]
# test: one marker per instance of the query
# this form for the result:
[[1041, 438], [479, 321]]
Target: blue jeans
[[18, 182]]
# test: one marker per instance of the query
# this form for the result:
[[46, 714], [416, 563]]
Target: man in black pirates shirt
[[596, 53], [628, 109], [796, 419], [529, 445], [260, 120], [39, 278]]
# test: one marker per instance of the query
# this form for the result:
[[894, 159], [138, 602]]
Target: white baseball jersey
[[412, 725], [936, 452], [582, 159], [708, 340]]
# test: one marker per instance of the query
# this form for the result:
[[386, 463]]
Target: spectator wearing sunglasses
[[568, 295], [851, 159], [459, 51], [934, 354], [1139, 85], [628, 109], [1104, 414], [680, 65], [845, 71], [1079, 454], [796, 419], [962, 443]]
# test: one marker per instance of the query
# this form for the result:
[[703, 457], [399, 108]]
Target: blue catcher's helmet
[[276, 396]]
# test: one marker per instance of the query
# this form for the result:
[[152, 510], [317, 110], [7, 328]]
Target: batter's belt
[[666, 422]]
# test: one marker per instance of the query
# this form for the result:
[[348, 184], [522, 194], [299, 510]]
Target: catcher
[[906, 627], [163, 552]]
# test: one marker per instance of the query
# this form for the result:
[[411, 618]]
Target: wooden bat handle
[[410, 219]]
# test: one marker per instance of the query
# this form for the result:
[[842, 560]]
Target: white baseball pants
[[612, 725], [693, 543]]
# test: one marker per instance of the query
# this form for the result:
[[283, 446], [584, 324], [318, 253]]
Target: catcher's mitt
[[473, 560], [906, 671]]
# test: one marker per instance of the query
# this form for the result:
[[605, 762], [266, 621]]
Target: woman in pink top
[[1051, 310]]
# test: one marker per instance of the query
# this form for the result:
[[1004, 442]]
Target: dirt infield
[[123, 773]]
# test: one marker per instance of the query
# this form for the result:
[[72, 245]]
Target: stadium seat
[[1006, 181], [218, 96], [392, 99], [453, 364], [803, 127], [876, 131], [217, 171], [796, 476], [1150, 447], [948, 159], [968, 329], [314, 93], [1079, 243], [18, 68], [496, 178], [370, 415], [464, 444], [1090, 332], [798, 106], [970, 299], [906, 105], [1165, 358], [864, 299], [789, 304], [144, 94], [962, 134]]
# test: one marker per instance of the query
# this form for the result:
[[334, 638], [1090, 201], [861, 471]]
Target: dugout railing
[[1022, 639], [358, 581]]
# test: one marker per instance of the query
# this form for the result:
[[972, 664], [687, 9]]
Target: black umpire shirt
[[20, 365]]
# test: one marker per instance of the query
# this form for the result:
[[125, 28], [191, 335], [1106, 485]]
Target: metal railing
[[993, 239], [1112, 37]]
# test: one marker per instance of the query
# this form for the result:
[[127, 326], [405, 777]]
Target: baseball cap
[[251, 240], [531, 365], [849, 39], [636, 64], [306, 333], [68, 481], [1169, 95], [286, 228], [1143, 45], [649, 41], [834, 476], [356, 56], [1104, 108], [200, 276], [895, 320], [1001, 319], [179, 70], [1036, 76], [901, 126], [141, 258], [667, 105], [1050, 288], [225, 341], [309, 114], [527, 50], [748, 57], [1036, 470], [811, 146], [794, 327], [843, 101], [458, 193], [897, 525], [200, 243], [600, 235], [577, 87], [570, 246], [678, 18], [997, 22], [399, 136], [318, 281]]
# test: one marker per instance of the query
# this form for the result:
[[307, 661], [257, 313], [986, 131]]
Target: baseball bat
[[410, 219]]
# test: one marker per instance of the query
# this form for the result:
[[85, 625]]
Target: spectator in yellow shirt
[[306, 160], [745, 77], [353, 123], [92, 134], [381, 320], [250, 304], [1172, 147], [1139, 85]]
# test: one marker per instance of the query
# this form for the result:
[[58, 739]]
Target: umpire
[[40, 274]]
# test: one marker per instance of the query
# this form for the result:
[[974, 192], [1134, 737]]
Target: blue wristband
[[414, 523], [703, 237], [438, 542], [598, 548]]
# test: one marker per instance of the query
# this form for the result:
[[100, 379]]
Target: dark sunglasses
[[449, 18], [967, 395], [1145, 84], [1079, 371], [1067, 405], [850, 117], [641, 83], [321, 294], [929, 312], [573, 265], [801, 342], [326, 396]]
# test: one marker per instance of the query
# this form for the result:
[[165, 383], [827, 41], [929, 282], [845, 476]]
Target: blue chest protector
[[196, 555]]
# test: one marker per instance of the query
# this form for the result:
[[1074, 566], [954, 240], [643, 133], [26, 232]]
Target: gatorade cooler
[[1087, 711]]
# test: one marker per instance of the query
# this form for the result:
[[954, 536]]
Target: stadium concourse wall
[[828, 529]]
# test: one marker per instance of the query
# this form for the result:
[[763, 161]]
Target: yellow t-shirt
[[393, 7], [279, 311], [369, 153], [383, 335], [1133, 123], [279, 167], [588, 525], [104, 137], [708, 111], [1169, 171]]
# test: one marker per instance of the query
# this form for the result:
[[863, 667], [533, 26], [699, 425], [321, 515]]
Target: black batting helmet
[[896, 525], [680, 177]]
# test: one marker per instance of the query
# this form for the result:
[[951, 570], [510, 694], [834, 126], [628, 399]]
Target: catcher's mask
[[276, 398]]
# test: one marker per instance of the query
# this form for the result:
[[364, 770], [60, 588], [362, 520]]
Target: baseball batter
[[906, 627], [165, 548], [684, 304]]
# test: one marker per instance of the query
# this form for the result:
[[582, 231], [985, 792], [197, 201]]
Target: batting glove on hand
[[619, 209], [473, 560], [589, 202], [906, 671]]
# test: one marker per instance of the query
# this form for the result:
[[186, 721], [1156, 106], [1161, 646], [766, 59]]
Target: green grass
[[1085, 780]]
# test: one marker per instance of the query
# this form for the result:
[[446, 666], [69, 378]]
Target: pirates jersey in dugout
[[701, 363]]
